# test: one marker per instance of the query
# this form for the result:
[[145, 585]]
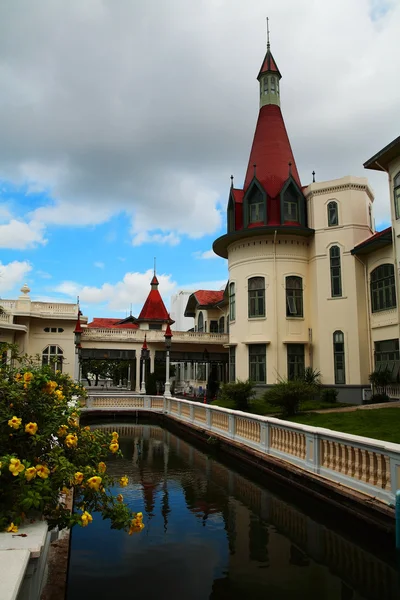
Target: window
[[256, 206], [232, 363], [336, 274], [383, 292], [232, 302], [265, 85], [333, 214], [221, 325], [256, 297], [396, 195], [258, 363], [371, 224], [273, 85], [290, 206], [387, 356], [200, 322], [277, 87], [53, 329], [295, 361], [213, 326], [53, 357], [338, 357], [294, 296], [155, 326]]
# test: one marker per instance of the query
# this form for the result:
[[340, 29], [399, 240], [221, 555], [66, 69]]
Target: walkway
[[358, 407]]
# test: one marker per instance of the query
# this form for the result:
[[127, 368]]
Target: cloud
[[13, 274], [156, 238], [208, 254], [18, 235], [99, 265], [108, 128], [43, 274]]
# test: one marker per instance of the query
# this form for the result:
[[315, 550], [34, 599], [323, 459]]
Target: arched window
[[383, 289], [221, 325], [333, 214], [232, 302], [291, 206], [338, 357], [294, 296], [256, 291], [336, 272], [396, 195], [200, 322], [53, 356], [256, 206]]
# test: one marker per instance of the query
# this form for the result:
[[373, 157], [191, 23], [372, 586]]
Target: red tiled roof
[[237, 195], [269, 64], [209, 297], [111, 324], [271, 152], [375, 238], [154, 308]]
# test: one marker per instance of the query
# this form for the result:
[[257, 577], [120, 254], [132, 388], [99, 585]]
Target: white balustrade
[[364, 464], [98, 333]]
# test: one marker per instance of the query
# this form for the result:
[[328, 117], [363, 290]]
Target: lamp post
[[168, 342], [77, 341], [144, 355]]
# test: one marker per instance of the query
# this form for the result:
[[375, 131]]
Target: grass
[[260, 407], [380, 423]]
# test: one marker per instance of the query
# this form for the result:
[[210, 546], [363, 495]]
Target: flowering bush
[[44, 453]]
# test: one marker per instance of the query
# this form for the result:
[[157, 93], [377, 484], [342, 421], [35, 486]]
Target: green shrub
[[239, 392], [379, 399], [329, 395], [380, 381], [312, 376], [288, 395]]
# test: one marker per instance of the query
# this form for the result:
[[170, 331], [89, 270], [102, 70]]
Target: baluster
[[379, 470], [363, 464], [387, 473]]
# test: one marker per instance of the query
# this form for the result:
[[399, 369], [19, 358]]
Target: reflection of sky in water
[[200, 541]]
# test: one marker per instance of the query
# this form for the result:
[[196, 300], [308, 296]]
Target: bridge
[[351, 464]]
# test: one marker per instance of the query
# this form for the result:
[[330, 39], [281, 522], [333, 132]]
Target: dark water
[[212, 533]]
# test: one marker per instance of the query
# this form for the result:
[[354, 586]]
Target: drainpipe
[[276, 308], [368, 313]]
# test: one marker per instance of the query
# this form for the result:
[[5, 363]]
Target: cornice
[[359, 187]]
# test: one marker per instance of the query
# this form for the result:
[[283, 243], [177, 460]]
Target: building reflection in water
[[270, 545]]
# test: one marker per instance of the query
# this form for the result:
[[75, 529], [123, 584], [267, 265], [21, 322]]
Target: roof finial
[[131, 310], [268, 44], [290, 169], [254, 167], [231, 181], [313, 176], [155, 266]]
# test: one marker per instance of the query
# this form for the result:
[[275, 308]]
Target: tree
[[44, 451], [107, 369], [238, 392]]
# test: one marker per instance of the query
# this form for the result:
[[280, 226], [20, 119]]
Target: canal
[[213, 533]]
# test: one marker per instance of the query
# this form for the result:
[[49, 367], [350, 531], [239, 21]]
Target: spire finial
[[231, 181], [290, 169], [254, 167], [268, 44], [313, 176], [155, 265]]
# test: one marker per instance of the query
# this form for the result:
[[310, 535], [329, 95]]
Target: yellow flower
[[139, 515], [12, 528], [102, 467], [18, 377], [59, 395], [28, 376], [86, 518], [124, 481], [87, 428], [73, 422], [31, 428], [114, 435], [120, 498], [15, 422], [71, 441], [94, 483], [16, 466], [114, 446], [50, 387], [62, 430], [78, 478], [136, 526], [42, 471], [30, 473]]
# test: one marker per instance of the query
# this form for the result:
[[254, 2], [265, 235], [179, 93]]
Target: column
[[138, 372]]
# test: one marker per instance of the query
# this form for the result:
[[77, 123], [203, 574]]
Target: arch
[[396, 194], [336, 271], [294, 296], [200, 322], [53, 357], [333, 213], [383, 288], [339, 357], [256, 297]]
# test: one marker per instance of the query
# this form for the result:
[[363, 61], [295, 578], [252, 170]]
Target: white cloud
[[19, 235], [69, 214], [13, 274], [99, 265], [208, 254], [155, 238], [43, 274]]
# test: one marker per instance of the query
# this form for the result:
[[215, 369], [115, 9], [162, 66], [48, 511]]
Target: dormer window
[[290, 206], [333, 214], [256, 206]]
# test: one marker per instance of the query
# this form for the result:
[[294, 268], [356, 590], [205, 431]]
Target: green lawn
[[260, 407], [380, 423]]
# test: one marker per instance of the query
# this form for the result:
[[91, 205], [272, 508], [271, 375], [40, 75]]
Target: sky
[[122, 122]]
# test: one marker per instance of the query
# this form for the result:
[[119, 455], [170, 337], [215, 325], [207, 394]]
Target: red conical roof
[[271, 152], [269, 65], [154, 307]]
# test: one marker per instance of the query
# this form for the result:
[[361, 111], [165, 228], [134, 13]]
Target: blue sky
[[122, 123]]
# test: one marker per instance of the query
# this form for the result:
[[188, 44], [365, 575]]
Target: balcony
[[137, 335]]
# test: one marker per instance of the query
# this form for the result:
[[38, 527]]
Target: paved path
[[359, 407]]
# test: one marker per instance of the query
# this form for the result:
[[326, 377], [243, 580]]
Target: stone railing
[[363, 464], [97, 333], [6, 318], [56, 308], [8, 304]]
